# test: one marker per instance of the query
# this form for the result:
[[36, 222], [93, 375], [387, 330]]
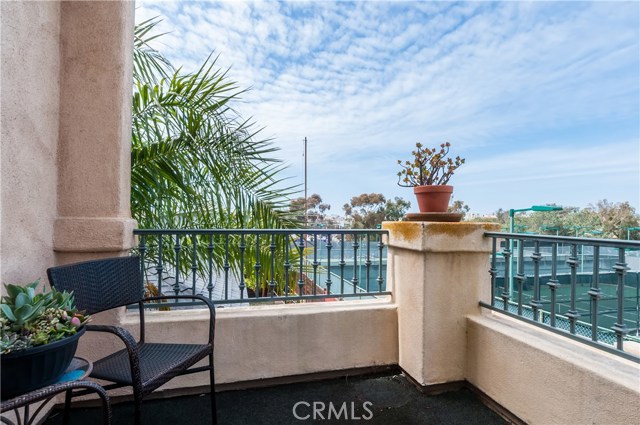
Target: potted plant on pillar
[[428, 173], [39, 335]]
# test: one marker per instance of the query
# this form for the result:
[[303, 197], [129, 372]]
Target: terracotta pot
[[433, 198]]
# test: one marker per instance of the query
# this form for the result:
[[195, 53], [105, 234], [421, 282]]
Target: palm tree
[[195, 163]]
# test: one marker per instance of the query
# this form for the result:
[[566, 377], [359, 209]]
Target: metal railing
[[245, 266], [600, 307]]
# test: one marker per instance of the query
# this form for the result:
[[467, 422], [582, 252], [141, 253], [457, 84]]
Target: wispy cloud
[[364, 81]]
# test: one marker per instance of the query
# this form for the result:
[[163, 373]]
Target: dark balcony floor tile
[[389, 399]]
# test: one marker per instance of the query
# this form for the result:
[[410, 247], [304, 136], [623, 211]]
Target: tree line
[[364, 211], [604, 219]]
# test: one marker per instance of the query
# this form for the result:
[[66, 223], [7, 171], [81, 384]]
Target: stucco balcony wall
[[544, 378], [262, 342]]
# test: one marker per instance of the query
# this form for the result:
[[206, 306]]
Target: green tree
[[370, 209], [548, 222], [502, 217], [459, 206], [195, 162], [314, 207], [604, 220], [615, 218], [367, 210], [396, 209]]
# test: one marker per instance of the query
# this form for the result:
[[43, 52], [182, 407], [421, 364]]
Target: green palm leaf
[[195, 163]]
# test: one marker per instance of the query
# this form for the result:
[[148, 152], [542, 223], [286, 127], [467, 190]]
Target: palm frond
[[195, 163]]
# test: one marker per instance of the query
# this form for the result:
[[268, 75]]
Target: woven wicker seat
[[101, 285]]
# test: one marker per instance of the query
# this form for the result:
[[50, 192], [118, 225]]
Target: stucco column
[[94, 217], [438, 273]]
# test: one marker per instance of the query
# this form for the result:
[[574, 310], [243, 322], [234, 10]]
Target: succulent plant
[[429, 166], [22, 305], [29, 319]]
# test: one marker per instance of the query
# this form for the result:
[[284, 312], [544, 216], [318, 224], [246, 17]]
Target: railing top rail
[[259, 231], [616, 243]]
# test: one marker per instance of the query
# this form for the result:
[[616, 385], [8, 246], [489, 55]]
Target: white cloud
[[366, 80]]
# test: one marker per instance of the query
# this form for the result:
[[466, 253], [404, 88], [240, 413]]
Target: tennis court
[[607, 308]]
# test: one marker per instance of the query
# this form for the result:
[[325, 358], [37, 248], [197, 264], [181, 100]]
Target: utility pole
[[305, 183]]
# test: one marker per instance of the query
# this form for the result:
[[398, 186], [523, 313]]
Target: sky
[[541, 98]]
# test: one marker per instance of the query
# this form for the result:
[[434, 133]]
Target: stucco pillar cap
[[440, 237]]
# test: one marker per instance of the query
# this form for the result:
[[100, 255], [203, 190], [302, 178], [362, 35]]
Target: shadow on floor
[[388, 399]]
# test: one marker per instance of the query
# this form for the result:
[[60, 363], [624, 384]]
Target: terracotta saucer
[[434, 216]]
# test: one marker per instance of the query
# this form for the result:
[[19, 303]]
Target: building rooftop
[[379, 399]]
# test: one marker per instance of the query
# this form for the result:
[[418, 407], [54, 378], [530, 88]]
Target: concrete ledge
[[544, 378]]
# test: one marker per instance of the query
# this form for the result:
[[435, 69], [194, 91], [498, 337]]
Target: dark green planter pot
[[26, 370]]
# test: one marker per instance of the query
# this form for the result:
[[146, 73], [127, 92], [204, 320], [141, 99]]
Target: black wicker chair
[[101, 285]]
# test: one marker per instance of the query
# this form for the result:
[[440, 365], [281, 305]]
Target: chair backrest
[[100, 285]]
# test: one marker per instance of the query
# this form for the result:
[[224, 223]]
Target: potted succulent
[[428, 173], [39, 335]]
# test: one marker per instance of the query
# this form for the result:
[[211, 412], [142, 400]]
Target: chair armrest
[[126, 337], [121, 333], [207, 301]]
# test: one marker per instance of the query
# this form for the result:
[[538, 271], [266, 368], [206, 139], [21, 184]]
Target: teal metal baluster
[[226, 266], [329, 246], [177, 248], [380, 247], [142, 249], [520, 277], [194, 263], [287, 263], [595, 293], [159, 267], [619, 327], [342, 263], [367, 263], [572, 314], [242, 285], [210, 260], [535, 303], [315, 261], [553, 283], [506, 254], [272, 249], [300, 277], [493, 271], [257, 266], [356, 245]]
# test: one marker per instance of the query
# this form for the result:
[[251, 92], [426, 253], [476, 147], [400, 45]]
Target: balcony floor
[[393, 400]]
